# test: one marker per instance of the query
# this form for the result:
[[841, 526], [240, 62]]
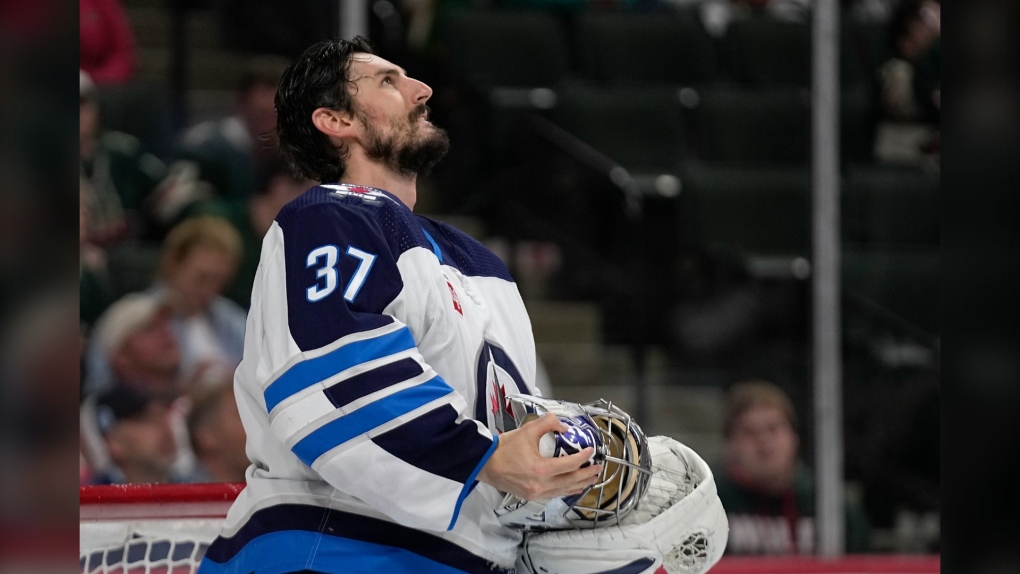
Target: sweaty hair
[[750, 394], [318, 78], [202, 231]]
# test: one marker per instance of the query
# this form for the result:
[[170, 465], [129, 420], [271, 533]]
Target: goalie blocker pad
[[678, 527]]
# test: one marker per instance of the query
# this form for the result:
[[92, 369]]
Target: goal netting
[[148, 528]]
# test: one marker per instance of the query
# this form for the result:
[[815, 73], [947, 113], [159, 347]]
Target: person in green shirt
[[768, 493]]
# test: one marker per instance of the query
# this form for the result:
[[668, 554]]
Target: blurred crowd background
[[643, 168]]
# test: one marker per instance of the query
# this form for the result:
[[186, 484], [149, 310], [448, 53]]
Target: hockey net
[[148, 528]]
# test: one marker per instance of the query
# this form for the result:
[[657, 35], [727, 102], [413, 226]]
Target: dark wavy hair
[[318, 78]]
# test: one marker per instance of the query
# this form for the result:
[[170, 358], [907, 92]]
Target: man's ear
[[333, 123]]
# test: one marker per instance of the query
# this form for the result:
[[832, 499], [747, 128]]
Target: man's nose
[[421, 92]]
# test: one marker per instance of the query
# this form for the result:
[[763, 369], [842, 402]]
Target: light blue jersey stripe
[[470, 483], [312, 371], [295, 550], [368, 417], [435, 246]]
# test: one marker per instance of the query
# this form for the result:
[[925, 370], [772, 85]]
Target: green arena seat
[[644, 48], [750, 211], [642, 129], [763, 51], [891, 206], [774, 125], [496, 48]]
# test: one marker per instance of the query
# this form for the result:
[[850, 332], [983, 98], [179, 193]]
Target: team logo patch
[[502, 410], [456, 299], [359, 191]]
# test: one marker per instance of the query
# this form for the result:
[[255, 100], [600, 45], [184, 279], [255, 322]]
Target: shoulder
[[353, 214], [464, 252]]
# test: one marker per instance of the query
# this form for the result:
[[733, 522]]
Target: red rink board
[[147, 501]]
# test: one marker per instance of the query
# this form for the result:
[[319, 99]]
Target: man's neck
[[373, 174]]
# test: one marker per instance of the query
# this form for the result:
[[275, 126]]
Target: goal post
[[150, 528]]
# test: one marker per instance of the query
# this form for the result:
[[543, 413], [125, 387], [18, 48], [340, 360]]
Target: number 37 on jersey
[[324, 260]]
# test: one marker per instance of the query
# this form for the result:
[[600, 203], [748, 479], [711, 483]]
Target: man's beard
[[412, 150]]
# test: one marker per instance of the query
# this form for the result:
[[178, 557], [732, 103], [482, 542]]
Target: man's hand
[[517, 467]]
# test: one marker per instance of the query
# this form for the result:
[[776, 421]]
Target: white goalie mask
[[620, 446]]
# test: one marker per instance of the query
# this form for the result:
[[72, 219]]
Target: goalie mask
[[620, 446]]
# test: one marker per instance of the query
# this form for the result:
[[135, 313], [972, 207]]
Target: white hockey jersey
[[379, 350]]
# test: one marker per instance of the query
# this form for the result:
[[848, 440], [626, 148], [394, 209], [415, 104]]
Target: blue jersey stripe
[[436, 443], [435, 246], [298, 550], [379, 535], [312, 371], [470, 484], [352, 389], [368, 417]]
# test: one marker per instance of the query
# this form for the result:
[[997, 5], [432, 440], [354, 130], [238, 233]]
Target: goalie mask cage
[[150, 528]]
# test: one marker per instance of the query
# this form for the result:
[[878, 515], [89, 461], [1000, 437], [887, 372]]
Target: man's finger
[[571, 484], [544, 424], [563, 464]]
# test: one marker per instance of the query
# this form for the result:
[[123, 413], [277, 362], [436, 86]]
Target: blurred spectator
[[93, 273], [133, 344], [106, 47], [137, 435], [200, 256], [716, 15], [121, 175], [768, 494], [911, 79], [910, 84], [231, 150], [181, 330], [217, 435], [39, 360], [252, 218], [880, 11]]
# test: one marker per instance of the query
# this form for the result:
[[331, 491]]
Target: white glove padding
[[679, 525]]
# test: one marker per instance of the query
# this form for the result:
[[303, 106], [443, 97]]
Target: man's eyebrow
[[391, 72]]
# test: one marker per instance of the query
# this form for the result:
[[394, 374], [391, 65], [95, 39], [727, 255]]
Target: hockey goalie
[[654, 509]]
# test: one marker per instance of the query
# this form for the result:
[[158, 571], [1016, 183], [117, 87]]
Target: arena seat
[[644, 48], [764, 51], [642, 129], [496, 48], [774, 125], [750, 211], [891, 206]]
